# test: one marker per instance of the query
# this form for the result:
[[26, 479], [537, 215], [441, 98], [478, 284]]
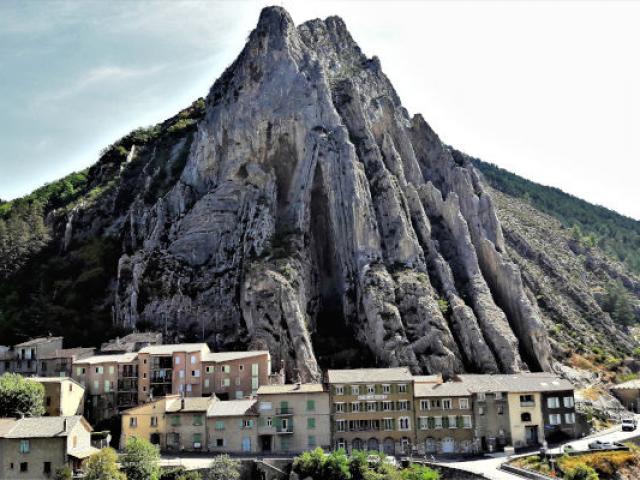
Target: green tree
[[617, 304], [64, 473], [103, 466], [336, 466], [223, 467], [358, 464], [140, 460], [19, 396]]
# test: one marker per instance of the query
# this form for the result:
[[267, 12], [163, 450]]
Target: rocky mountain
[[301, 209]]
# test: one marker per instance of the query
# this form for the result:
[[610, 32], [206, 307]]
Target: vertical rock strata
[[312, 208]]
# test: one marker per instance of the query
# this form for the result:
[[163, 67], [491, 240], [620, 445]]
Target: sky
[[548, 90]]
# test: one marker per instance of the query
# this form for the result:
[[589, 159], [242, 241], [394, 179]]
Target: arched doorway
[[448, 445], [357, 444], [373, 444], [430, 445], [389, 446]]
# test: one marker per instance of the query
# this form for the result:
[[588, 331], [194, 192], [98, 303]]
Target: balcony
[[529, 403], [287, 429], [284, 411]]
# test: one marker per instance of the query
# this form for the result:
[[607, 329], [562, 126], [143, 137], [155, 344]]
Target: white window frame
[[555, 419], [568, 402], [447, 404], [339, 389], [463, 403], [371, 389], [355, 389], [570, 418], [466, 421], [407, 423], [386, 388], [553, 402], [402, 388]]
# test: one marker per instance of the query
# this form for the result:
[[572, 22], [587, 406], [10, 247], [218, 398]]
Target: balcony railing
[[284, 411], [285, 429], [531, 403]]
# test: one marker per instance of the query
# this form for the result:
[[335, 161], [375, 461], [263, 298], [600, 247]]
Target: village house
[[131, 342], [235, 375], [372, 409], [34, 448], [443, 417], [147, 421], [293, 418], [232, 426], [59, 363], [63, 396], [25, 358], [186, 423]]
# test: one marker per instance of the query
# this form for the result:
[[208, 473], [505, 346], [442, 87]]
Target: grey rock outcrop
[[309, 213]]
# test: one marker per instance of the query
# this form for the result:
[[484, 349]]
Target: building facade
[[235, 375], [63, 396], [443, 418], [372, 409], [59, 363], [293, 418], [25, 358], [34, 448], [232, 426], [559, 415], [147, 421]]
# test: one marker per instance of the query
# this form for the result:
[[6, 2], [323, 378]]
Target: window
[[403, 405], [219, 425], [340, 424], [99, 370], [339, 390], [466, 421], [311, 405], [387, 406], [553, 402], [197, 440], [404, 423], [570, 418], [435, 404], [423, 423], [46, 469], [246, 423], [371, 406], [339, 407], [226, 369], [437, 422], [355, 406], [567, 402], [402, 388], [24, 446], [311, 423], [463, 403], [386, 388], [482, 397], [225, 382], [111, 370], [555, 419], [181, 373], [133, 422], [446, 404], [80, 371], [24, 467], [107, 386], [445, 422], [197, 420], [177, 360], [195, 373], [238, 381], [355, 389], [241, 367], [525, 417], [239, 394], [311, 441], [206, 383], [219, 442], [208, 369], [498, 395], [527, 401], [480, 410], [371, 389], [193, 359], [424, 405], [342, 444], [266, 406], [154, 421], [388, 423], [453, 423], [96, 386], [254, 383], [175, 420], [254, 369], [499, 409], [269, 422]]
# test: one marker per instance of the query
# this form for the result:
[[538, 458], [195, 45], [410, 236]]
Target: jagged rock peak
[[309, 214]]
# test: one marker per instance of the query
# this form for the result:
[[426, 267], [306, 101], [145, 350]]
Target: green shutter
[[445, 422], [311, 405], [311, 423], [378, 389], [459, 421], [431, 423]]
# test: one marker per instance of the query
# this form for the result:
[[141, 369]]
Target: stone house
[[34, 448], [293, 418], [26, 356], [372, 409], [147, 421], [59, 363], [232, 426], [443, 418], [235, 375], [63, 396]]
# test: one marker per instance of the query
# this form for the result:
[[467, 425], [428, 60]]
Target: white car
[[629, 424], [391, 461], [604, 445]]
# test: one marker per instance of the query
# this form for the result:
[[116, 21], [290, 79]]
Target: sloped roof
[[37, 341], [42, 427], [67, 352], [516, 382], [229, 356], [446, 389], [189, 404], [55, 380], [363, 375], [177, 347], [428, 378], [291, 388], [232, 408], [116, 358]]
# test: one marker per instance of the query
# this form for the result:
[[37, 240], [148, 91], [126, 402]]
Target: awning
[[83, 453]]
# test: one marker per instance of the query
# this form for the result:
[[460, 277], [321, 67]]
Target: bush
[[419, 472], [102, 466], [223, 467], [64, 473], [140, 460], [581, 472]]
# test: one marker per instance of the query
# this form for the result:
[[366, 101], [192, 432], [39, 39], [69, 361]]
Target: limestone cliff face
[[309, 214]]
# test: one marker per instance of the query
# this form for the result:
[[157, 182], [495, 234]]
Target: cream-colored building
[[293, 418], [34, 448], [147, 421], [232, 426], [63, 396]]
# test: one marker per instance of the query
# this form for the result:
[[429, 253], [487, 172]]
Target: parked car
[[629, 424], [391, 461], [373, 460], [604, 445]]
